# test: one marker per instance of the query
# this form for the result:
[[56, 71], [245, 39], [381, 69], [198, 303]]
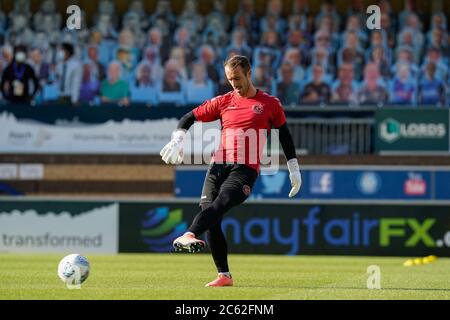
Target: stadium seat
[[143, 95], [50, 92]]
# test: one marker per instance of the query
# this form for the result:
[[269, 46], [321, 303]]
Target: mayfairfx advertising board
[[58, 226], [259, 227], [294, 229], [409, 130]]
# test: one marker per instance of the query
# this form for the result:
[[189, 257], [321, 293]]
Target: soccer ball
[[73, 269]]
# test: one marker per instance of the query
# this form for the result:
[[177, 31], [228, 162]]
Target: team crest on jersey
[[258, 108], [246, 189]]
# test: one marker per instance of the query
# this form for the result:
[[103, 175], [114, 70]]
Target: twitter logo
[[274, 183]]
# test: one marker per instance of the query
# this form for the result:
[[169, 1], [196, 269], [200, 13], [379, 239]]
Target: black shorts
[[235, 179]]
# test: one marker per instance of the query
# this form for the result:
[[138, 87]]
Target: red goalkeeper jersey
[[245, 125]]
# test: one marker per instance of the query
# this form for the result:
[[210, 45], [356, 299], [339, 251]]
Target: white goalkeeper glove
[[172, 153], [294, 176]]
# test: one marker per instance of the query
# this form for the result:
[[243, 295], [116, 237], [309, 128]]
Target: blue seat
[[176, 98], [50, 92], [197, 95], [143, 95], [104, 53]]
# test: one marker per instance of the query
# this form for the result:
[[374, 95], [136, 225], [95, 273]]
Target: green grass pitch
[[183, 276]]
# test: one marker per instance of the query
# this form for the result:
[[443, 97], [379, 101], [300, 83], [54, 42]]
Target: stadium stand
[[315, 55], [151, 33]]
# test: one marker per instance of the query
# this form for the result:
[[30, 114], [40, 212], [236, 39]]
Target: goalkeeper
[[234, 167]]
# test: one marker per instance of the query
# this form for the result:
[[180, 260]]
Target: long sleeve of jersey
[[186, 121], [287, 144]]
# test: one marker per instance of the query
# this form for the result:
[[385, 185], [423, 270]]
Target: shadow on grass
[[347, 288]]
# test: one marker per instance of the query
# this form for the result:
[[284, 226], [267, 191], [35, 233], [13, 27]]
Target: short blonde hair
[[238, 61]]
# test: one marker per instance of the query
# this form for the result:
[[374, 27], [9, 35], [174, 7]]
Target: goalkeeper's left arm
[[289, 151]]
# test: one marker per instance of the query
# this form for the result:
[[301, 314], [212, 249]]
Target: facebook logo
[[321, 182]]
